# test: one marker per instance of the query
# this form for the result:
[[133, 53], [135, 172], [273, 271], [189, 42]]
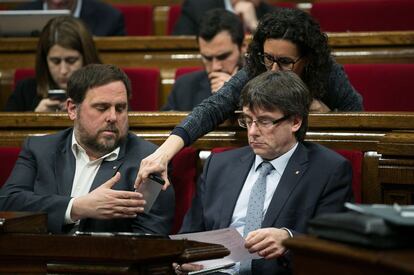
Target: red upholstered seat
[[8, 157], [22, 73], [145, 84], [355, 157], [183, 178], [367, 15], [384, 87], [185, 70], [138, 18], [174, 12]]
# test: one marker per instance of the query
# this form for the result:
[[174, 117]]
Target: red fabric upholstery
[[384, 87], [355, 157], [137, 18], [183, 178], [367, 15], [145, 84], [22, 73], [8, 156], [173, 14], [185, 70]]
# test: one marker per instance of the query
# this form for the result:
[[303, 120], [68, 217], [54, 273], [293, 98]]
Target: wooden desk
[[312, 256], [56, 254]]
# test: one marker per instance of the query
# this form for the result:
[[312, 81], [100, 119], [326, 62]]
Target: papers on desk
[[229, 237]]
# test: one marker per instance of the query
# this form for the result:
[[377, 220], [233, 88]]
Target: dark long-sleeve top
[[340, 96], [24, 98]]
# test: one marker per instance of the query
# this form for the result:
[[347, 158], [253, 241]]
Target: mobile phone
[[57, 94], [150, 189]]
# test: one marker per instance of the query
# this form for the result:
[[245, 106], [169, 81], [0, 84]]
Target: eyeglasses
[[261, 123], [284, 63]]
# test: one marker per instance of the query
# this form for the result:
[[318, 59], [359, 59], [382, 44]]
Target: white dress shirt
[[85, 173]]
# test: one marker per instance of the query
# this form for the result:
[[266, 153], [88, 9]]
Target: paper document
[[229, 238]]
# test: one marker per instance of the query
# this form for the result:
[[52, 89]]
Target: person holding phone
[[65, 45], [222, 48], [83, 177]]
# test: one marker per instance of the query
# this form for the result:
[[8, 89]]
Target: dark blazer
[[193, 10], [24, 97], [316, 180], [188, 91], [41, 181], [101, 18]]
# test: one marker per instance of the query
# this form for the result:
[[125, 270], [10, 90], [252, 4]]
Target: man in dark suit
[[192, 10], [222, 47], [83, 177], [305, 179], [100, 18]]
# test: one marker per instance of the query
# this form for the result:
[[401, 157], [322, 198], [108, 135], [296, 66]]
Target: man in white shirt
[[83, 177], [303, 181]]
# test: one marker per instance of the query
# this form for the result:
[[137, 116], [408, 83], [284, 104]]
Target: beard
[[97, 144]]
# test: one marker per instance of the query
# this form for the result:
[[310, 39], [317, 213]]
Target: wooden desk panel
[[312, 256]]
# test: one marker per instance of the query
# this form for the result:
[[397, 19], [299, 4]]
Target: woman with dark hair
[[64, 46], [288, 39]]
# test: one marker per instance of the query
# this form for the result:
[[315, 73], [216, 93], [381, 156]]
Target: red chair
[[384, 87], [145, 83], [185, 70], [138, 19], [8, 157], [174, 13], [354, 157], [367, 15], [183, 178], [22, 73]]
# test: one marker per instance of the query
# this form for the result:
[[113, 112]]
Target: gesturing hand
[[105, 203]]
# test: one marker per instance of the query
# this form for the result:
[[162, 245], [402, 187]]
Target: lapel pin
[[297, 172], [114, 167]]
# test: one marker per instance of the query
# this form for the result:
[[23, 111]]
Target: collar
[[228, 6], [79, 152], [278, 163], [76, 11]]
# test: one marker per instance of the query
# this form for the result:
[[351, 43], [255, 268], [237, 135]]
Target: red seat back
[[367, 15], [138, 18], [174, 12], [8, 157], [384, 87], [183, 178], [185, 70], [22, 73], [145, 84]]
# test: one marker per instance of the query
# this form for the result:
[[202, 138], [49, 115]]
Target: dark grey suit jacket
[[188, 91], [193, 10], [41, 181], [316, 180], [100, 18]]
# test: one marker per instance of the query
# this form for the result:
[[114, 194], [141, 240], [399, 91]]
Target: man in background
[[250, 11], [83, 177], [100, 18], [222, 48]]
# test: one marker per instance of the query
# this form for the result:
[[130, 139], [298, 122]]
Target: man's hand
[[318, 106], [247, 11], [217, 80], [185, 268], [105, 203], [267, 242]]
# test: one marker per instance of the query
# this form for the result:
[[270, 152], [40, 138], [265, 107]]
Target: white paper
[[228, 237]]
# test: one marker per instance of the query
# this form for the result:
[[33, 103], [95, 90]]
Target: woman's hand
[[157, 162], [50, 105], [318, 106]]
